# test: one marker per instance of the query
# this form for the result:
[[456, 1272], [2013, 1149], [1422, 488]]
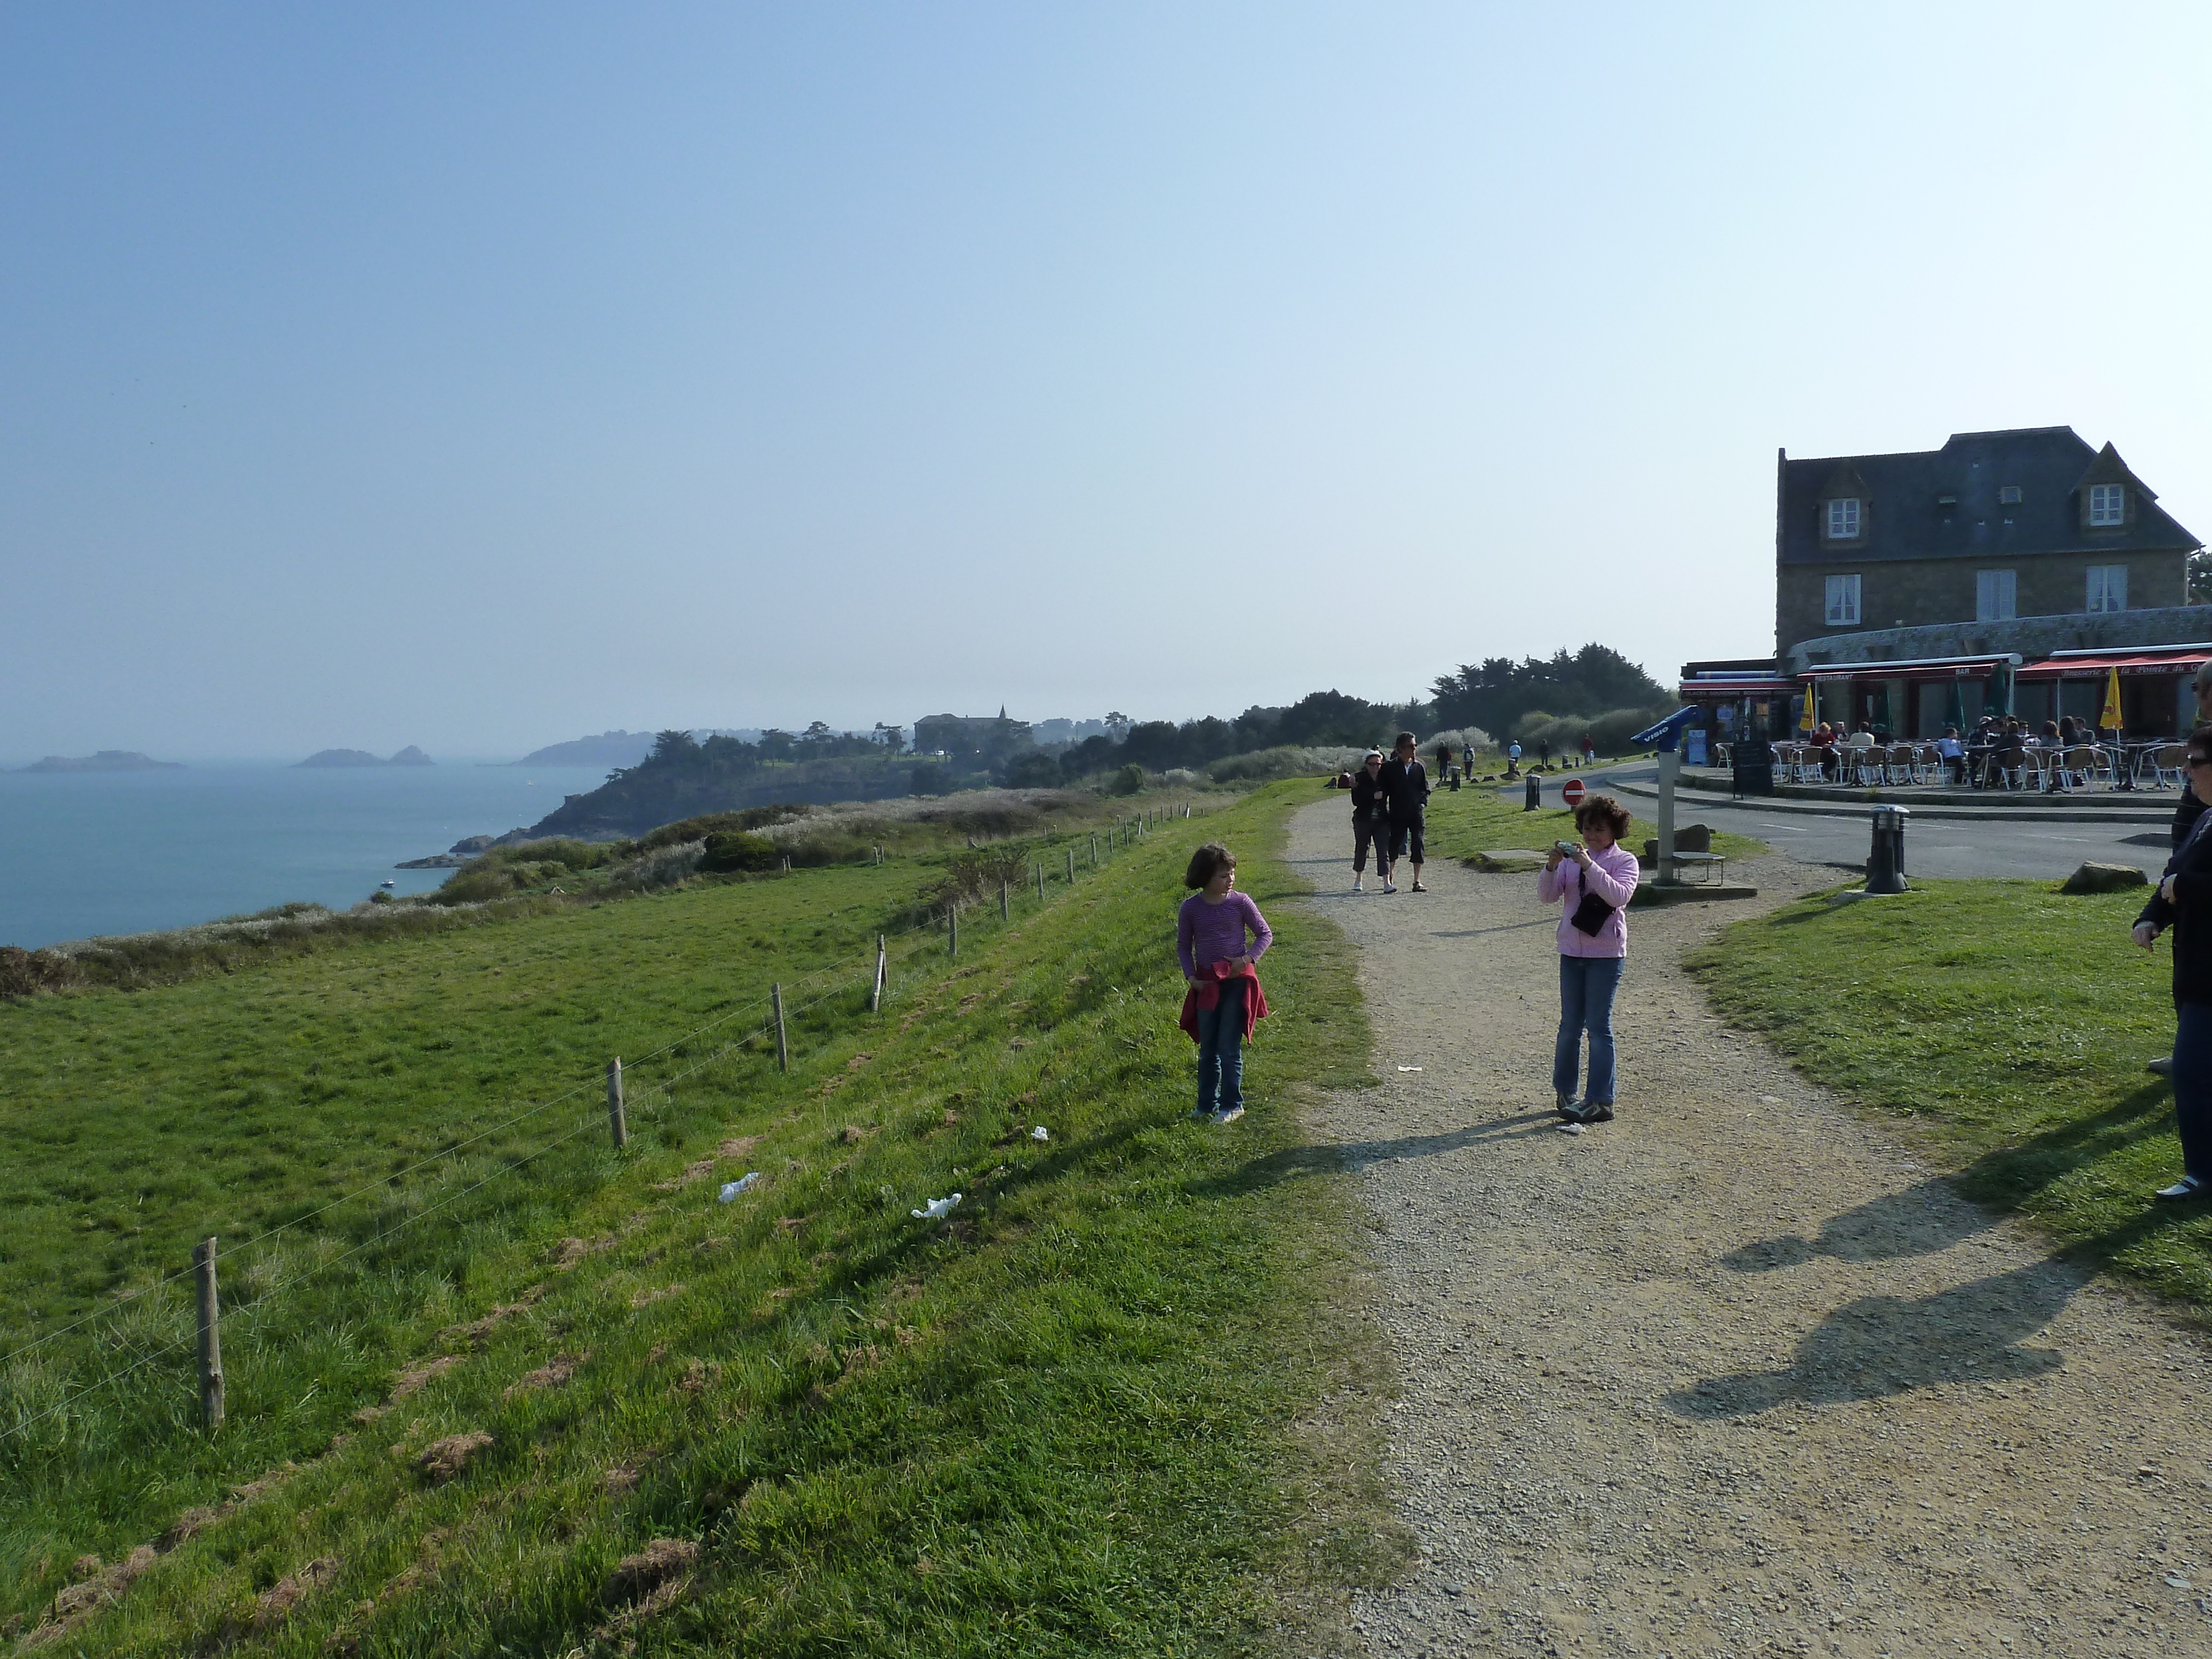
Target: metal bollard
[[1886, 857], [1535, 796]]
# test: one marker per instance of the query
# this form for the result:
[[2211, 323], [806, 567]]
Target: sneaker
[[2162, 1066], [1563, 1102], [1229, 1115], [1601, 1112], [1387, 888], [1357, 886], [2188, 1187], [1418, 888]]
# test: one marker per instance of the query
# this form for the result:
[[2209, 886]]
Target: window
[[1844, 521], [1996, 595], [1844, 598], [2108, 505], [2108, 586], [2009, 496]]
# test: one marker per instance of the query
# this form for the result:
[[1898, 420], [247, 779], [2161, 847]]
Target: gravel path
[[1734, 1374]]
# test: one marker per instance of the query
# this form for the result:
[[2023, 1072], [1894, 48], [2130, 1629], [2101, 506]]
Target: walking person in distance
[[1405, 783], [1370, 821], [1592, 881], [1224, 1000]]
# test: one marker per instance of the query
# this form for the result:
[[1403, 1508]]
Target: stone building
[[2020, 542]]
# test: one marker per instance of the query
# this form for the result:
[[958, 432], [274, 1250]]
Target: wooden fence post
[[952, 945], [782, 1047], [876, 991], [1094, 850], [211, 1336], [1006, 902], [618, 1120], [1040, 881], [1071, 866]]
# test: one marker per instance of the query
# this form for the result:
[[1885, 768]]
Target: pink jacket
[[1612, 877]]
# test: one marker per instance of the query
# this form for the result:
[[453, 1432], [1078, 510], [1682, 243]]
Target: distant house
[[2023, 542]]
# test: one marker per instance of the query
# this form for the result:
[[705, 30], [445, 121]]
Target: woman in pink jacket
[[1593, 881]]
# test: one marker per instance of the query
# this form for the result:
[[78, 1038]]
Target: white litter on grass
[[1572, 1128], [732, 1188], [1409, 1068], [1040, 1134], [938, 1209]]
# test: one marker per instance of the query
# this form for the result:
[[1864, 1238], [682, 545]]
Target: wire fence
[[937, 930]]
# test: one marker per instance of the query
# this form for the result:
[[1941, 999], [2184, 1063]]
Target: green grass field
[[2010, 1024], [1478, 819], [801, 1423]]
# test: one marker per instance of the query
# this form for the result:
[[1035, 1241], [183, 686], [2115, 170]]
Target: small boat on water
[[387, 882]]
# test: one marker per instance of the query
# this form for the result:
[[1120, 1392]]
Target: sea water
[[91, 853]]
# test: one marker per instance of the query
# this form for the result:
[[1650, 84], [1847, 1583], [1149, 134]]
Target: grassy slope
[[2010, 1024], [1057, 1425], [1478, 819]]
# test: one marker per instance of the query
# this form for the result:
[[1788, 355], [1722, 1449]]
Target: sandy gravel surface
[[1734, 1374]]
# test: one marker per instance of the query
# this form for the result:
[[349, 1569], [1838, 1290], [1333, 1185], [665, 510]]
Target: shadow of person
[[1887, 1345], [1921, 1220], [1356, 1155]]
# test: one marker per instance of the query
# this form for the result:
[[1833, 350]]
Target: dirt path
[[1732, 1374]]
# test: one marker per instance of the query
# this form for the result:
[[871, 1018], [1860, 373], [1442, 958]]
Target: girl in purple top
[[1594, 881], [1210, 928]]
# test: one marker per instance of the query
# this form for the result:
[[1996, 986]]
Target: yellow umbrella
[[2109, 719], [1805, 720]]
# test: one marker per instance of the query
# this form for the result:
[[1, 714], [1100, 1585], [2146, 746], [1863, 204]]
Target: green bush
[[473, 884], [26, 973], [1035, 770], [740, 849], [1127, 782]]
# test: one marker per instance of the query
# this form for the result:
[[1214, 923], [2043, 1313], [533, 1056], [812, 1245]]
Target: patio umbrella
[[1998, 700], [1956, 717], [2109, 718]]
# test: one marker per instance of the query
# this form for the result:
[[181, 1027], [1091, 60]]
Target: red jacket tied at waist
[[1207, 995]]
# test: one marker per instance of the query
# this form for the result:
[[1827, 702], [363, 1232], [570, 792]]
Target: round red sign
[[1573, 792]]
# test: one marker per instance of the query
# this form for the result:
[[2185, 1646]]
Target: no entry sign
[[1573, 792]]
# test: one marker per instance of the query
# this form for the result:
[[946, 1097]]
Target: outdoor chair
[[2081, 766], [1900, 767], [2014, 766], [1868, 762], [2161, 766], [1929, 765]]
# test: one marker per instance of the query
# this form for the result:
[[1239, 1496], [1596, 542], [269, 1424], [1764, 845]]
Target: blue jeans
[[2192, 1086], [1221, 1049], [1586, 989]]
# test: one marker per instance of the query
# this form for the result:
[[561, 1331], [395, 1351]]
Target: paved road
[[1933, 846]]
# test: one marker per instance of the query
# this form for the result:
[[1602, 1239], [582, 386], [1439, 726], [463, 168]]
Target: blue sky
[[477, 377]]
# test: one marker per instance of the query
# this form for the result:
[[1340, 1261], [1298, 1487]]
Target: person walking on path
[[1224, 1000], [2182, 903], [2186, 812], [1592, 881], [1405, 786], [1370, 821]]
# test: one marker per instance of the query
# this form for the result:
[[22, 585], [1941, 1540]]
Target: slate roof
[[1905, 518]]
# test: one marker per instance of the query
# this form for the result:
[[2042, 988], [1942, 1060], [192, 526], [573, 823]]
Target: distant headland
[[608, 749], [411, 756], [107, 760]]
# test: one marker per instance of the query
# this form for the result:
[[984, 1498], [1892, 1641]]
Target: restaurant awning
[[1728, 688], [1913, 668], [2095, 665]]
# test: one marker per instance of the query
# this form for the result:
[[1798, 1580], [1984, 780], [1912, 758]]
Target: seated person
[[2050, 737], [1954, 753]]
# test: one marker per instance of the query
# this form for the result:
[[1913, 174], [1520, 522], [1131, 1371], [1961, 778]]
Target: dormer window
[[1844, 518], [2108, 505]]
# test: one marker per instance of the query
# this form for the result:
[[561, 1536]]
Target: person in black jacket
[[2182, 903], [1405, 783], [1370, 821], [2187, 810]]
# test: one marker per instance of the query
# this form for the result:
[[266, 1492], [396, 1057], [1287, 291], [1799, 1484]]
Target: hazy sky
[[478, 376]]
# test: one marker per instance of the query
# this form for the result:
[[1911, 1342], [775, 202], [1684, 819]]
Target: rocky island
[[107, 760], [411, 756]]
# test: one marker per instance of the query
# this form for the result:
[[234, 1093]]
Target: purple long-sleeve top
[[1612, 876], [1215, 932]]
